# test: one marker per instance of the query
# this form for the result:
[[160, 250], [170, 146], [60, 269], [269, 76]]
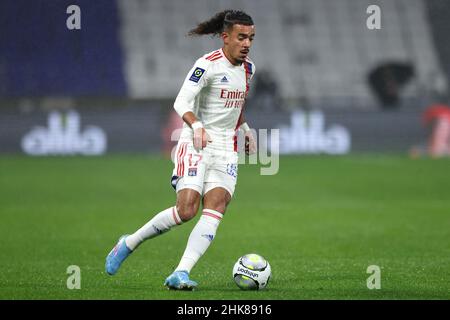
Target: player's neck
[[230, 59]]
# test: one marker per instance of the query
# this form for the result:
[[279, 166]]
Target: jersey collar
[[228, 62]]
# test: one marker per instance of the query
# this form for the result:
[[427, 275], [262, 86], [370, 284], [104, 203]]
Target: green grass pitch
[[321, 221]]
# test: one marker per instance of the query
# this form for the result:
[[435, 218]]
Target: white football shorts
[[203, 170]]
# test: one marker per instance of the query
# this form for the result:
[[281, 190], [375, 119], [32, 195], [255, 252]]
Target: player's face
[[238, 41]]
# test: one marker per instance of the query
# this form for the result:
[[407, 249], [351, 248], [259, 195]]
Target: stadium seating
[[318, 50]]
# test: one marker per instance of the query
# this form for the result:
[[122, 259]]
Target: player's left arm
[[250, 141]]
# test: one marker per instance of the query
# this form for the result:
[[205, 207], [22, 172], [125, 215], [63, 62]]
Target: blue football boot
[[117, 255], [179, 280]]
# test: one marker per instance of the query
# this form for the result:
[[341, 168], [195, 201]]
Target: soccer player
[[210, 102]]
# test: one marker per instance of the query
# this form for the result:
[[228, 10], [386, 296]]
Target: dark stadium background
[[85, 124]]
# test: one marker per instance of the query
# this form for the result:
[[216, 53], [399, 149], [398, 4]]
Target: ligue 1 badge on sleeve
[[197, 74]]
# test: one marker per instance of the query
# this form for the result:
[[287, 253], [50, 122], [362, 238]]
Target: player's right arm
[[201, 137], [250, 142], [196, 79]]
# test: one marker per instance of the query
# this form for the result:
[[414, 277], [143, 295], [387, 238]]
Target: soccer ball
[[251, 272]]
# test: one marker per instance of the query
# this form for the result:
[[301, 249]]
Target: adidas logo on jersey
[[224, 79]]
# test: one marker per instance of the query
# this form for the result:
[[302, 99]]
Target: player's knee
[[187, 210], [188, 202], [217, 201], [218, 206]]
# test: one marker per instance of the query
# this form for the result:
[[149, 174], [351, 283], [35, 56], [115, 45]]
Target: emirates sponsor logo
[[234, 98]]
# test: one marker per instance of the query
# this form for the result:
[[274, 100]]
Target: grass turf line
[[321, 221]]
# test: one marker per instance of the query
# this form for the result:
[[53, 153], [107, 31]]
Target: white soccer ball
[[251, 272]]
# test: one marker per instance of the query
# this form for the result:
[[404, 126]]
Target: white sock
[[160, 223], [200, 239]]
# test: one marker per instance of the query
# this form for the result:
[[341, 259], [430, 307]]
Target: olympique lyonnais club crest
[[192, 172]]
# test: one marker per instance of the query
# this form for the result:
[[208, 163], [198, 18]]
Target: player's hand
[[201, 138], [250, 143]]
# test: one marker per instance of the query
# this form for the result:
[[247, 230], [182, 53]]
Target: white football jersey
[[215, 91]]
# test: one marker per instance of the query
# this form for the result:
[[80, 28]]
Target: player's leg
[[188, 201], [193, 180], [219, 184], [215, 202], [200, 238], [216, 199]]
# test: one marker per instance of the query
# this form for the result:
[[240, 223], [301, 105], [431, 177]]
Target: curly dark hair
[[220, 22]]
